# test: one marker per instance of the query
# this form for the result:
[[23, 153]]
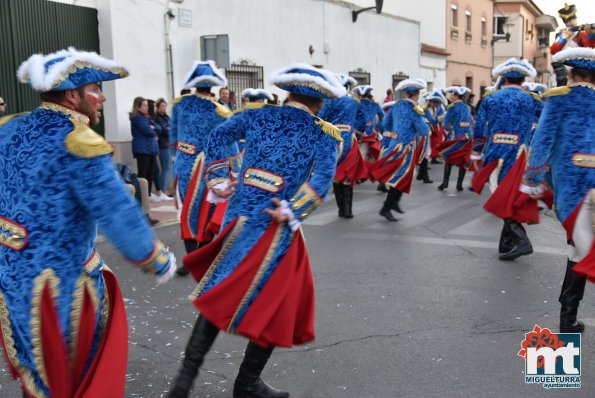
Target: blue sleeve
[[222, 145], [387, 121], [480, 128], [422, 128], [142, 126], [542, 143], [311, 194], [360, 119], [327, 110], [99, 189]]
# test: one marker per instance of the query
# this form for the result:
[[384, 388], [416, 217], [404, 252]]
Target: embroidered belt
[[93, 262], [186, 148], [464, 124], [343, 127], [505, 138], [584, 160], [394, 136], [263, 179], [12, 234]]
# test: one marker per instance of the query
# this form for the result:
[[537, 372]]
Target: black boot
[[522, 245], [190, 245], [248, 384], [388, 205], [202, 337], [460, 178], [506, 239], [422, 173], [435, 161], [573, 289], [396, 200], [444, 185], [348, 201], [340, 197], [381, 188]]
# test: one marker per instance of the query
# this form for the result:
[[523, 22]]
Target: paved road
[[417, 308]]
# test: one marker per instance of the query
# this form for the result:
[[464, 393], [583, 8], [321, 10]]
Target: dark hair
[[224, 88], [411, 93], [308, 101], [58, 96], [151, 109], [204, 90], [275, 100], [586, 74], [515, 80], [185, 91], [159, 102]]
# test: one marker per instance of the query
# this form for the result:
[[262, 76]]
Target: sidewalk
[[165, 212]]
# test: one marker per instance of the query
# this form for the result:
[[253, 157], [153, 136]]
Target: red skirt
[[420, 150], [283, 312], [106, 375], [585, 267], [507, 202], [456, 152], [374, 145], [383, 170], [353, 168], [436, 139]]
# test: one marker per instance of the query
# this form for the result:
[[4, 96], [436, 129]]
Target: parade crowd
[[244, 180]]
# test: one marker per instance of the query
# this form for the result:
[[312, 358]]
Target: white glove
[[532, 191], [476, 157], [212, 198], [293, 223], [161, 279]]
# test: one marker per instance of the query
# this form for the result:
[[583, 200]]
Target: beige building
[[468, 42], [521, 30]]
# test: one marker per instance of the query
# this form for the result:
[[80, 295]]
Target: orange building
[[468, 31]]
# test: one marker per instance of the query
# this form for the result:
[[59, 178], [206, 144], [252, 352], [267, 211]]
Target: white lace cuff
[[476, 157], [294, 224], [212, 198], [532, 191]]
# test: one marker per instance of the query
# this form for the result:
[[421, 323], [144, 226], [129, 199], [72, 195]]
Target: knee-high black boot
[[202, 338], [506, 239], [460, 178], [248, 384], [385, 212], [522, 244], [573, 289], [339, 190], [422, 172], [348, 201], [190, 245], [396, 200], [444, 185]]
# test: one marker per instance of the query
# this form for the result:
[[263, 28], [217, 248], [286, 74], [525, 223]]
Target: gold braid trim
[[83, 282], [65, 111], [224, 249], [82, 65], [11, 353], [83, 142], [47, 277], [330, 129], [258, 277], [180, 98], [8, 118], [198, 167], [105, 305], [222, 110], [556, 91]]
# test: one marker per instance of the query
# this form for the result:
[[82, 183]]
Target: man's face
[[224, 95], [2, 106], [91, 102]]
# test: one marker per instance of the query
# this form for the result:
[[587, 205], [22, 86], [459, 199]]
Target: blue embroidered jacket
[[57, 183], [458, 121], [403, 124], [369, 117], [341, 112], [503, 126], [288, 155], [193, 119], [565, 142], [435, 116]]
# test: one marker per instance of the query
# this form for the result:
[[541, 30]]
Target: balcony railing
[[468, 37], [454, 32]]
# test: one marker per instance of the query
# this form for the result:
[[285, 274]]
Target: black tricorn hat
[[567, 13]]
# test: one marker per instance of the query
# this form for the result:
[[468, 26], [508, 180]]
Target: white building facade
[[159, 49]]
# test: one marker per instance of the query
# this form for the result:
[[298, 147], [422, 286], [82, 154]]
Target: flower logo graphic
[[539, 338]]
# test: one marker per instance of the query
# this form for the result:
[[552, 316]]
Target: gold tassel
[[330, 129]]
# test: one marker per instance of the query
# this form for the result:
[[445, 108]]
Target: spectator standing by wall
[[162, 119], [144, 140], [2, 107], [224, 97]]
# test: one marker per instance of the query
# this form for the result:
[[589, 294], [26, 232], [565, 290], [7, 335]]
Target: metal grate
[[361, 76], [243, 76]]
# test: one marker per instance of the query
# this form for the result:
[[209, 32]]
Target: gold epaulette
[[556, 91], [419, 110], [488, 92], [450, 105], [83, 142], [222, 111], [535, 95], [251, 105], [8, 118], [181, 97], [330, 129]]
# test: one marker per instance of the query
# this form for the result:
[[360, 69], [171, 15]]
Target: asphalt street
[[418, 308]]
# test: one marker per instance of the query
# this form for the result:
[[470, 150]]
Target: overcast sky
[[585, 9]]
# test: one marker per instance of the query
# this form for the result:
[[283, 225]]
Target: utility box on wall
[[216, 48]]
